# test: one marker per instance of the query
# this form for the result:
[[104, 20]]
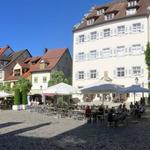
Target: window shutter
[[130, 29], [142, 28], [88, 75], [126, 30], [130, 50], [97, 74], [126, 72], [101, 34], [97, 35], [130, 72], [76, 57], [97, 54], [77, 40], [115, 32], [111, 32], [84, 56], [84, 75], [77, 76], [88, 56], [142, 71], [114, 73]]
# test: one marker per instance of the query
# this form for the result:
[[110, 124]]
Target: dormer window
[[132, 3], [131, 11], [100, 12], [90, 21], [109, 16], [17, 72]]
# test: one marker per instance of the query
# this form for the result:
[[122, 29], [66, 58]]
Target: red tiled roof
[[120, 7], [3, 49], [52, 57], [32, 59]]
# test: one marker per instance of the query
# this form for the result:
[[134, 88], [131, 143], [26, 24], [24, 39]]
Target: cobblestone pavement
[[23, 130]]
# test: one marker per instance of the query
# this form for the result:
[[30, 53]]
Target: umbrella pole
[[134, 98]]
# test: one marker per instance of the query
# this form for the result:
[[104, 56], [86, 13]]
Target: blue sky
[[39, 24]]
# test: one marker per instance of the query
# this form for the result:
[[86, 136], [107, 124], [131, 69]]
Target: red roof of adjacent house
[[51, 57], [3, 49]]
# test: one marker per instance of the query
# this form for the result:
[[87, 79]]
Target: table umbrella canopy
[[102, 87], [4, 94], [134, 89], [60, 89]]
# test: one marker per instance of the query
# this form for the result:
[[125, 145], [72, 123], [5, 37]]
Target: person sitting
[[110, 118], [88, 113], [101, 113]]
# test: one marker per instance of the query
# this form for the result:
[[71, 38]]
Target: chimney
[[45, 51]]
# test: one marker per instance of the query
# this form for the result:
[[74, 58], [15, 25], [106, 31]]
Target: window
[[136, 27], [90, 21], [132, 3], [120, 50], [136, 48], [93, 35], [121, 30], [35, 80], [106, 32], [131, 11], [44, 79], [100, 12], [120, 72], [1, 75], [106, 52], [81, 38], [136, 70], [93, 74], [17, 72], [81, 75], [109, 16], [81, 56], [93, 54]]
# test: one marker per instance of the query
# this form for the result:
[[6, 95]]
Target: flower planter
[[16, 107], [24, 107]]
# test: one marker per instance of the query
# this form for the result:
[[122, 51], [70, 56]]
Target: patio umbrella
[[101, 87], [60, 89], [4, 94], [134, 89]]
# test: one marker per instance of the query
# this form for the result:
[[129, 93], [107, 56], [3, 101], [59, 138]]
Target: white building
[[111, 39]]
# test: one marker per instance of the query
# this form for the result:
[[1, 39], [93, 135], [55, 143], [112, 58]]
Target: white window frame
[[81, 56], [93, 54], [136, 27], [35, 79], [90, 21], [106, 52], [132, 3], [93, 35], [131, 11], [107, 32], [121, 30], [100, 12], [81, 75], [136, 70], [120, 72], [44, 79], [109, 16], [120, 51], [81, 38], [93, 74], [136, 49]]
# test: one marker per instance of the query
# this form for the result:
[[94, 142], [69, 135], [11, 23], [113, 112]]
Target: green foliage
[[61, 103], [24, 86], [24, 97], [7, 87], [17, 97], [1, 87], [57, 77], [147, 60]]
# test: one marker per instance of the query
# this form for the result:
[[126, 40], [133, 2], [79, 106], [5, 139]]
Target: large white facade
[[115, 47]]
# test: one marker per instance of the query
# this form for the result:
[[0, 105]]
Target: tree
[[17, 97], [57, 77], [147, 60], [23, 86]]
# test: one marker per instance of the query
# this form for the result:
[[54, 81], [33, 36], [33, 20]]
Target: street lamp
[[41, 87]]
